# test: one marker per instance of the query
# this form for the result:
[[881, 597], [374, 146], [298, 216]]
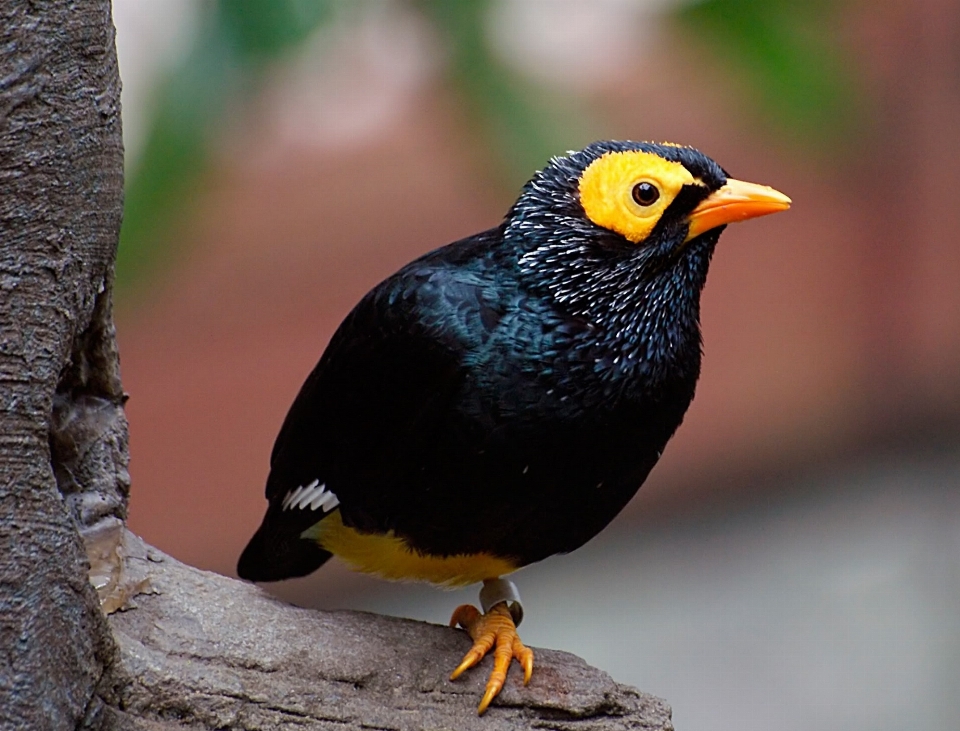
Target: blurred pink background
[[832, 344]]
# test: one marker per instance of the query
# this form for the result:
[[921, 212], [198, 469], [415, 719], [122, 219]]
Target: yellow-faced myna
[[500, 399]]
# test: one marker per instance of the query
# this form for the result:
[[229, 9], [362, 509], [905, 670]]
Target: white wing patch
[[313, 496]]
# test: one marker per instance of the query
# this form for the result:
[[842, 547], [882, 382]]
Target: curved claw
[[524, 656], [496, 627], [465, 615]]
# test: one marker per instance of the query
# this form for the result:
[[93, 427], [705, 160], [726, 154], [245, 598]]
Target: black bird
[[502, 398]]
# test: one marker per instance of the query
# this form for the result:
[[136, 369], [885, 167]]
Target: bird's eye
[[645, 194]]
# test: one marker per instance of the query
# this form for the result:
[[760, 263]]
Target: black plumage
[[508, 393]]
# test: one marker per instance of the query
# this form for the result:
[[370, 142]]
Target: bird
[[500, 399]]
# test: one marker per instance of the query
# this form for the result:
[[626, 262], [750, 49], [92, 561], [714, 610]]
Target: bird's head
[[621, 233], [618, 214]]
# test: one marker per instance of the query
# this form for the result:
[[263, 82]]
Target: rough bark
[[207, 652], [189, 649], [61, 168]]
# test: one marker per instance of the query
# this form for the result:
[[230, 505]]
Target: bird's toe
[[493, 629]]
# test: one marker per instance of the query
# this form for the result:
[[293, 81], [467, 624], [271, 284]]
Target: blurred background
[[794, 560]]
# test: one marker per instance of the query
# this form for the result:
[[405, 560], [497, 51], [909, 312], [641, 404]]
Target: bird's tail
[[276, 553]]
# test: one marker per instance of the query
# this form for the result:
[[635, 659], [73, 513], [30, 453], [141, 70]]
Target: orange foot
[[494, 627]]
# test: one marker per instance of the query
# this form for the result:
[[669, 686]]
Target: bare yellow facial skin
[[606, 191]]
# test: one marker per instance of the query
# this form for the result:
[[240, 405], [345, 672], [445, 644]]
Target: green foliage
[[236, 38], [259, 30], [174, 156], [524, 124], [782, 48], [789, 54]]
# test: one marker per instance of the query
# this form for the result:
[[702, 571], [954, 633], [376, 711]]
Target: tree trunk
[[191, 649], [61, 162]]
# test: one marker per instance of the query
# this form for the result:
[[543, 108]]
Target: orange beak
[[735, 201]]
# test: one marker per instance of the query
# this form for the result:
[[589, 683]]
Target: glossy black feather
[[507, 393]]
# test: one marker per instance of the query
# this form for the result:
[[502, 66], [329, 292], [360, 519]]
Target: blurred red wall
[[818, 323]]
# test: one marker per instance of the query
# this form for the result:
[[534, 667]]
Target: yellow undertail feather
[[389, 557]]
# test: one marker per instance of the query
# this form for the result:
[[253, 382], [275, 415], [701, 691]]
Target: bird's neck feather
[[644, 314]]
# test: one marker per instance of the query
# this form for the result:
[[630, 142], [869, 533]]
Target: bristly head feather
[[643, 294]]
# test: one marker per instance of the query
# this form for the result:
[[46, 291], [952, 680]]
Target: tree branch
[[208, 652]]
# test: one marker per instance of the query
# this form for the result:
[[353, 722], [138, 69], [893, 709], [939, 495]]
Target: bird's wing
[[378, 396], [372, 406]]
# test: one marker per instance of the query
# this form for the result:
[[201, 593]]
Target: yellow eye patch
[[607, 191]]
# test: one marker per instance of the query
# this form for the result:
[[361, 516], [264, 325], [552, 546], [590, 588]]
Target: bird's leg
[[502, 612]]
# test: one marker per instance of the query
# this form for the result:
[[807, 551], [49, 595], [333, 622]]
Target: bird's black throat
[[641, 301], [642, 304]]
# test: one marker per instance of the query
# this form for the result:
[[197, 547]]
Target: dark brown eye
[[645, 194]]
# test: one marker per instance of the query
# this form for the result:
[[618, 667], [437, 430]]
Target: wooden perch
[[202, 651]]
